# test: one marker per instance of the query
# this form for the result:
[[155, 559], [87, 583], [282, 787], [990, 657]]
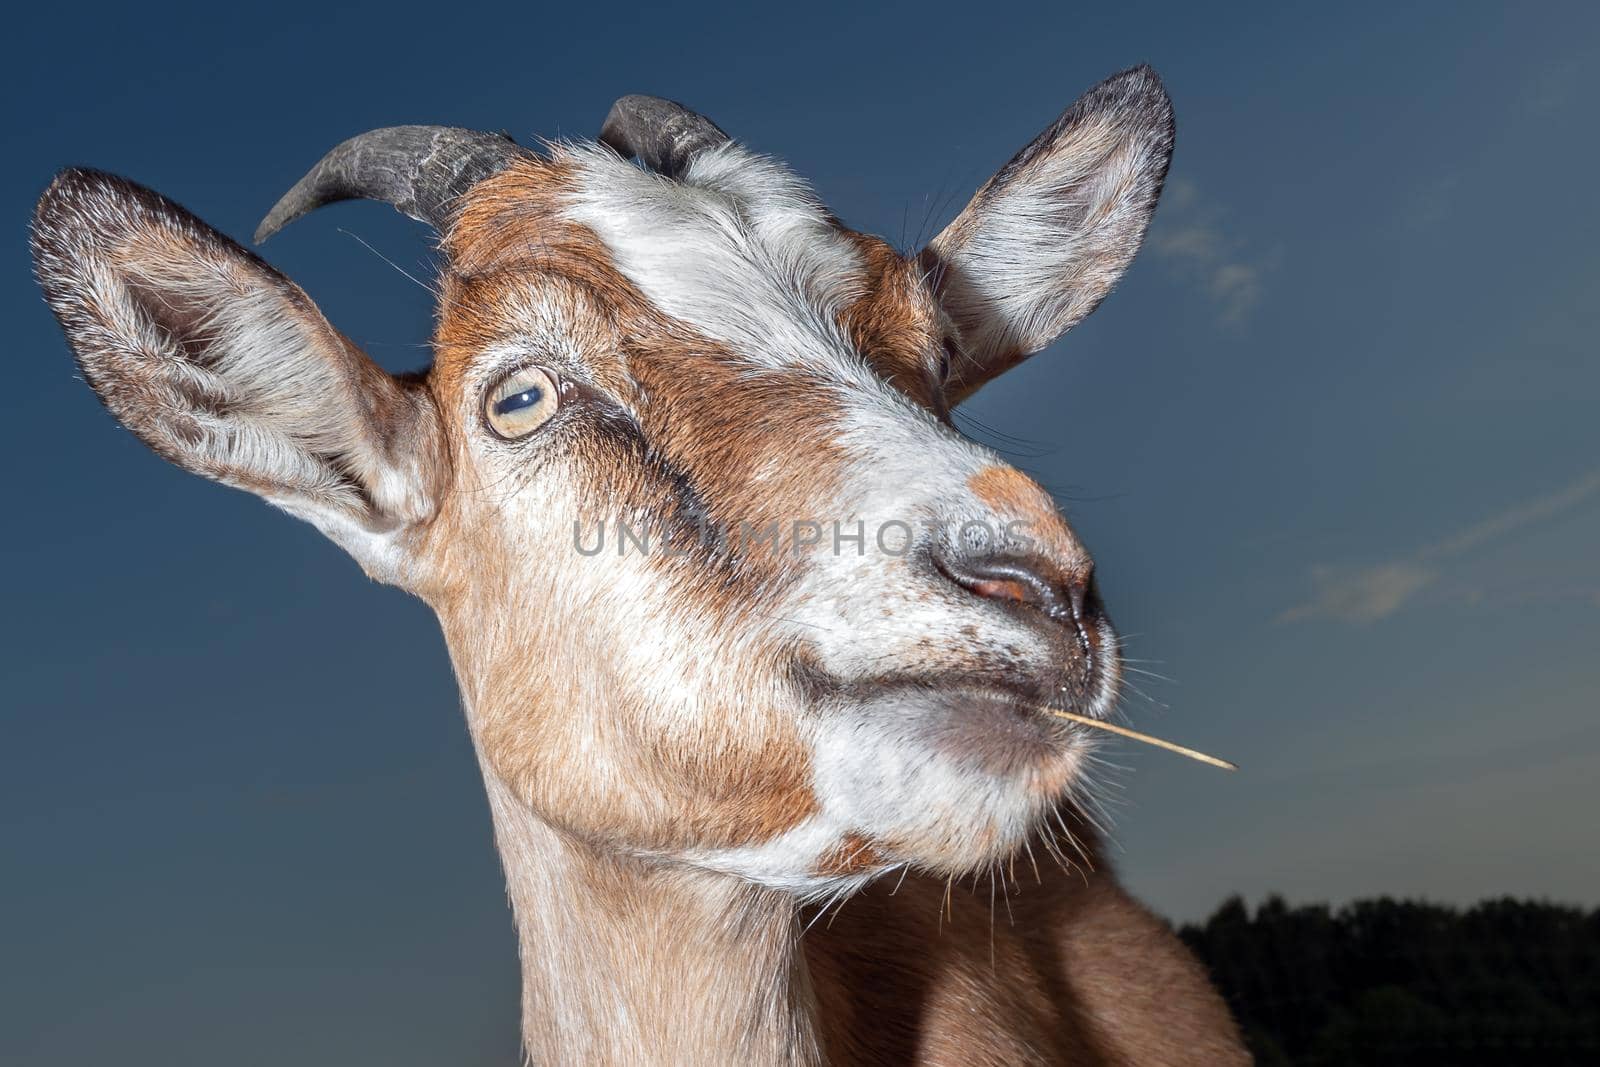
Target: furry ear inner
[[1044, 240], [225, 367]]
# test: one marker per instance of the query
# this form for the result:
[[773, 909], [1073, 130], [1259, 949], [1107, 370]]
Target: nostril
[[1065, 595], [1019, 579], [999, 589]]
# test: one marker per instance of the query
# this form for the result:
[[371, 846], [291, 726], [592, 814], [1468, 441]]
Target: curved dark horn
[[421, 170], [664, 135]]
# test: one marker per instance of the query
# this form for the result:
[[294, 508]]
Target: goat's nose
[[1064, 593]]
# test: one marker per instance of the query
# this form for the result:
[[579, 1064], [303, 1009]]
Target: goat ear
[[1047, 237], [225, 367]]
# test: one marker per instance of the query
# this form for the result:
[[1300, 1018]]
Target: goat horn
[[420, 170], [664, 135]]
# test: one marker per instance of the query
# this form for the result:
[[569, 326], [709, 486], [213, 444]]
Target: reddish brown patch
[[744, 792], [896, 325], [1012, 495], [854, 854]]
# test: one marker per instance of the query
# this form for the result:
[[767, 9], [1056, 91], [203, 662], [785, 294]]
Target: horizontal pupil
[[517, 401]]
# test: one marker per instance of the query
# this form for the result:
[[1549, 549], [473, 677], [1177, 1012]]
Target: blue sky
[[1333, 443]]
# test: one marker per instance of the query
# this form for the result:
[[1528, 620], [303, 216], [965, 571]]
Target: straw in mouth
[[1123, 731]]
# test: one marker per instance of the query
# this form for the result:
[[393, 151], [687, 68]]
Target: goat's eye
[[521, 402]]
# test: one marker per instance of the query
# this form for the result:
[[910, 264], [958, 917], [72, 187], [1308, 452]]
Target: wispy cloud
[[1190, 236], [1359, 594], [1362, 593]]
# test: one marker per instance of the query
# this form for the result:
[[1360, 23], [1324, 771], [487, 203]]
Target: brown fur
[[896, 324], [730, 787], [1061, 967]]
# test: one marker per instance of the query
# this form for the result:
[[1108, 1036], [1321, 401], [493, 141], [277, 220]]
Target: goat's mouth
[[1005, 731], [951, 769], [996, 726]]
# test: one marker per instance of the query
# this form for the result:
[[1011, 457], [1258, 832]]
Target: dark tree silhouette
[[1404, 982]]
